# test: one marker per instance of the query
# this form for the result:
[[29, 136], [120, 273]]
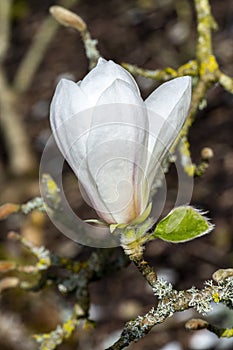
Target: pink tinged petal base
[[117, 154]]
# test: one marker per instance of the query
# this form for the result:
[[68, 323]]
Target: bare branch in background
[[5, 7], [21, 157], [70, 19], [204, 68], [36, 51]]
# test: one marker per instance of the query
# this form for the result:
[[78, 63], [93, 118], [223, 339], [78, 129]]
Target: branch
[[226, 82], [5, 6], [70, 19], [50, 341], [206, 73], [205, 23], [47, 270], [170, 302], [197, 324], [21, 159], [36, 51], [12, 208], [189, 68]]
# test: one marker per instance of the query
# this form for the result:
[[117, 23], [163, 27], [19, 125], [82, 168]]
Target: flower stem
[[133, 240]]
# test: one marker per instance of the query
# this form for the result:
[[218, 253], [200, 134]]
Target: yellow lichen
[[171, 71], [216, 297], [69, 327], [227, 333], [189, 68], [209, 66], [189, 168], [43, 263]]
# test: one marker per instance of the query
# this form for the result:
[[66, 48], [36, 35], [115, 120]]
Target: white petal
[[114, 170], [71, 132], [67, 101], [70, 121], [168, 103], [167, 108], [90, 193], [167, 95], [102, 76], [120, 91]]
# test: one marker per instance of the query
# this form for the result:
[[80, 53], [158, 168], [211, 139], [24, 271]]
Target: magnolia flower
[[113, 140]]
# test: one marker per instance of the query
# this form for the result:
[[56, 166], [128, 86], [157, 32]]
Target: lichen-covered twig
[[70, 19], [50, 341], [189, 68], [197, 324], [11, 208], [172, 301], [78, 277], [204, 68]]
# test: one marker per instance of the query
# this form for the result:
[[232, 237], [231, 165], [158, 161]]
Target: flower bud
[[68, 18], [113, 140]]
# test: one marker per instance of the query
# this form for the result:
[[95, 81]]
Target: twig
[[50, 341], [204, 69], [5, 6], [36, 51], [205, 23], [170, 302], [70, 19], [21, 159], [11, 208], [197, 324], [226, 82], [79, 275], [189, 68]]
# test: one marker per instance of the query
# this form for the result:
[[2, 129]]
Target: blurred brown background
[[151, 34]]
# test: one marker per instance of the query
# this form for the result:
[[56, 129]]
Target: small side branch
[[70, 19], [197, 324], [205, 23], [205, 71], [35, 54], [172, 301], [50, 341], [5, 7], [21, 159]]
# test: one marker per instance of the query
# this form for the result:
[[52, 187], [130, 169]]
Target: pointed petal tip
[[65, 87], [120, 92], [187, 83], [64, 83], [101, 60], [186, 80]]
